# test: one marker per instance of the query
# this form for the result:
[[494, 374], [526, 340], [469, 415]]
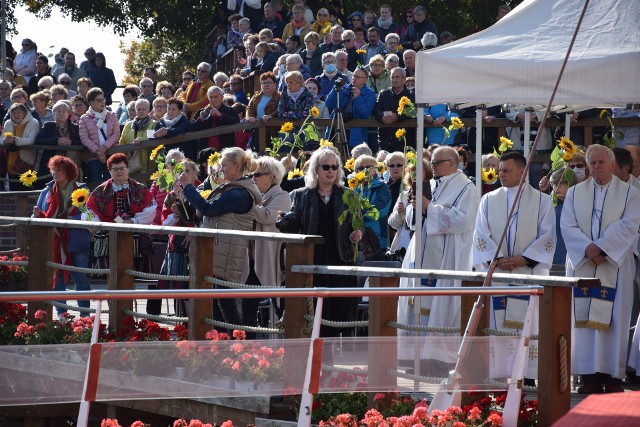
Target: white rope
[[234, 285], [332, 368], [18, 263], [151, 276], [12, 224], [77, 269], [254, 329], [157, 318], [333, 324], [423, 379], [418, 328], [498, 333], [527, 388], [10, 251], [74, 307]]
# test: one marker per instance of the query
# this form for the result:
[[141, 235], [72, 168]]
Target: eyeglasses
[[119, 169], [397, 165], [99, 100], [377, 65], [329, 167], [203, 71], [267, 83], [347, 40], [409, 16], [26, 45], [43, 87], [184, 79], [17, 96], [259, 174], [65, 83], [361, 168], [577, 165], [146, 86], [437, 162]]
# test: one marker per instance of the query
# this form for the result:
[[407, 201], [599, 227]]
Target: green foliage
[[327, 405]]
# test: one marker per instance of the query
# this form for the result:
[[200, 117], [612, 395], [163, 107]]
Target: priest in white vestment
[[528, 248], [448, 220], [599, 223]]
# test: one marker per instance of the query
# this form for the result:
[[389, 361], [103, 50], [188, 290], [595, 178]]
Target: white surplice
[[447, 232], [596, 350], [536, 243]]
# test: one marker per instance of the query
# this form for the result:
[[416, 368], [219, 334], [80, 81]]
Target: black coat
[[229, 117], [389, 101], [48, 135]]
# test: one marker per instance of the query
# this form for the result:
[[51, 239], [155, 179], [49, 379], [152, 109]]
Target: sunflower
[[489, 177], [350, 164], [603, 114], [567, 157], [400, 133], [213, 159], [353, 183], [286, 127], [361, 51], [28, 178], [410, 155], [325, 143], [205, 194], [567, 145], [360, 176], [314, 112], [294, 174], [456, 123], [505, 144], [79, 197], [381, 168], [155, 152], [154, 176], [8, 134]]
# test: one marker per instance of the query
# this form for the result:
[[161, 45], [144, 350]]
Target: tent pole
[[567, 125], [3, 39], [479, 113], [419, 183]]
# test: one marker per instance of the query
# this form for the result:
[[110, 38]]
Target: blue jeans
[[97, 171], [78, 259]]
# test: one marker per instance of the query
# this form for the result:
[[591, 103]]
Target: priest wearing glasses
[[599, 224]]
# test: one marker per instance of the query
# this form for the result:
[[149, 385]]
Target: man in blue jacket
[[357, 101]]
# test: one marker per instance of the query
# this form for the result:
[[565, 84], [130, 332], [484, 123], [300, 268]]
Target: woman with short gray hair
[[135, 131], [59, 132]]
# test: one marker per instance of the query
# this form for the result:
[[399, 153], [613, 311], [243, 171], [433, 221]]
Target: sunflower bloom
[[603, 114], [294, 174], [314, 112], [400, 133], [505, 144], [353, 183], [79, 197], [567, 157], [489, 177], [456, 123], [155, 152], [286, 127], [361, 51], [213, 159], [8, 134], [325, 143], [567, 145], [381, 168], [28, 178], [154, 176], [350, 164], [410, 155], [360, 176], [205, 194]]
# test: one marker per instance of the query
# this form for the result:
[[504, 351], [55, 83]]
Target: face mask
[[460, 166], [330, 68], [281, 69], [579, 172]]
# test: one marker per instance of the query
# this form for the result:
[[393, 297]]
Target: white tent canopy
[[518, 59]]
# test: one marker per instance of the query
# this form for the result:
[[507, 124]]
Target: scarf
[[103, 199], [63, 131], [169, 123], [61, 208], [12, 156], [296, 95], [385, 23], [140, 124], [100, 123], [298, 25]]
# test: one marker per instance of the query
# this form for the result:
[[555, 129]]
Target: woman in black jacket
[[61, 132], [315, 210]]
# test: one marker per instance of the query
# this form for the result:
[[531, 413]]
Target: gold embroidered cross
[[585, 291], [548, 247], [604, 293], [503, 302], [482, 244]]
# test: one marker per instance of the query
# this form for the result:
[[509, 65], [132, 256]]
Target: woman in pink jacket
[[99, 131]]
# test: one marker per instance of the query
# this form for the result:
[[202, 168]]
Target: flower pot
[[14, 286]]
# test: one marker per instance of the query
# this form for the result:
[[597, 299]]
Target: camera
[[286, 222], [339, 83]]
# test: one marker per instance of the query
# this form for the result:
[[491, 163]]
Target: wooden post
[[200, 265], [262, 139], [296, 308], [466, 307], [40, 250], [555, 324], [22, 231], [120, 258], [381, 311], [588, 136]]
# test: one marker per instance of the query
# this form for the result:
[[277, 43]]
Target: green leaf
[[373, 214], [342, 217]]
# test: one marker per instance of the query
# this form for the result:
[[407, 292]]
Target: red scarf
[[297, 25]]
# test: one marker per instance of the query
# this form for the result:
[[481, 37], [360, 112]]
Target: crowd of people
[[362, 67]]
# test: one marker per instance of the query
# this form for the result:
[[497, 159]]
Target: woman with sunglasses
[[395, 165], [406, 21], [315, 209]]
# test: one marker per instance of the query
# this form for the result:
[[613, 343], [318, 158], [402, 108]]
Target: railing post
[[381, 311], [23, 209], [40, 250], [262, 139], [466, 307], [120, 258], [555, 336], [296, 308], [200, 265], [588, 136]]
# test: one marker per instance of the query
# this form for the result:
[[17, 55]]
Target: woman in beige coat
[[265, 257]]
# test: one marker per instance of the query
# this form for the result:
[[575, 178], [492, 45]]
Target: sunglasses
[[578, 165], [397, 165], [330, 167], [259, 174], [347, 40], [361, 168], [146, 86]]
